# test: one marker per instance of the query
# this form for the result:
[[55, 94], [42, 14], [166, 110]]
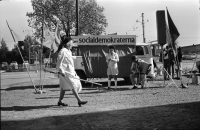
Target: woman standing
[[65, 66], [112, 70]]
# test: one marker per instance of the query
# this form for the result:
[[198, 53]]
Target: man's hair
[[111, 47], [134, 58]]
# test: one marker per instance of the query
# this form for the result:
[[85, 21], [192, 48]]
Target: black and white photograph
[[100, 64]]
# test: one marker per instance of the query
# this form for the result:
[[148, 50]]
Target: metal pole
[[22, 57], [29, 54], [42, 49], [77, 18], [163, 71], [143, 28], [36, 62]]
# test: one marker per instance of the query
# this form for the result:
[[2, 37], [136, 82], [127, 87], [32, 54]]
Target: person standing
[[112, 70], [166, 63], [179, 64], [171, 56], [68, 77]]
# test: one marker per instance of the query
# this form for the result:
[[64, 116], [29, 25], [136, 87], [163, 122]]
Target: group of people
[[70, 81], [139, 69], [172, 62]]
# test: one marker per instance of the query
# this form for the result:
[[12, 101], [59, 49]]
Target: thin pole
[[42, 49], [72, 76], [36, 61], [163, 64], [143, 28], [77, 18], [22, 57], [45, 69], [29, 48], [171, 78]]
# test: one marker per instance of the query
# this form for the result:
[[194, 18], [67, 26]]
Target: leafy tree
[[3, 51], [3, 45], [91, 18], [15, 56]]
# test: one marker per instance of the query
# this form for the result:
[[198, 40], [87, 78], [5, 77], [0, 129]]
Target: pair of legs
[[62, 93], [167, 68], [109, 80], [171, 69], [136, 78], [179, 70]]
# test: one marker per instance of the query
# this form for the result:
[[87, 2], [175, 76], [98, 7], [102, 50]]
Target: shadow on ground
[[85, 85], [28, 87], [167, 117], [24, 108]]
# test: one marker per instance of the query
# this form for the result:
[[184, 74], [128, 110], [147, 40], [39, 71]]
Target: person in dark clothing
[[198, 65], [139, 69], [179, 64], [166, 63], [171, 55]]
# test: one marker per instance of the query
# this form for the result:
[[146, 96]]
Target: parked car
[[14, 65], [36, 62], [4, 65], [25, 63], [188, 57]]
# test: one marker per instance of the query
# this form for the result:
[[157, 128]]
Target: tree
[[91, 17], [3, 51]]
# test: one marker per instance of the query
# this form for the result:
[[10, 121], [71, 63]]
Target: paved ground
[[154, 108]]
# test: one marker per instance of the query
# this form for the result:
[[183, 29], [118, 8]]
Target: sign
[[106, 39]]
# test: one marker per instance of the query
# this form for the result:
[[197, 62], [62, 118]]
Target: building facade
[[191, 49]]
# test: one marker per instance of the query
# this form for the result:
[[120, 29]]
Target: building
[[191, 49], [156, 49]]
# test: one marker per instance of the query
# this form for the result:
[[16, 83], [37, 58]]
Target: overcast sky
[[121, 17]]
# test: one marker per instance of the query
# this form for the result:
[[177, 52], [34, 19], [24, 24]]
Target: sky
[[121, 17]]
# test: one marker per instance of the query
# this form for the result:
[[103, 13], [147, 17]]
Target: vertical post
[[0, 79], [77, 18], [143, 28], [36, 61], [41, 55], [29, 54]]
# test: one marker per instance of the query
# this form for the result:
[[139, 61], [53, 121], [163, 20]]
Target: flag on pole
[[173, 30], [49, 38], [168, 36], [11, 31]]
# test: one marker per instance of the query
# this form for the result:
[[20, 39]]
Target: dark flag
[[173, 30]]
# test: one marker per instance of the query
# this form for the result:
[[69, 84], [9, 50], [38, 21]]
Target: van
[[90, 58], [14, 65], [25, 64]]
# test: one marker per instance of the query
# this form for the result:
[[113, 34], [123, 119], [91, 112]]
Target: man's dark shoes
[[134, 87], [82, 103]]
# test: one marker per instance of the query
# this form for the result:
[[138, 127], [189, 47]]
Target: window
[[139, 50], [76, 51], [146, 50]]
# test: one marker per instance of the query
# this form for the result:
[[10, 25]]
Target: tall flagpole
[[45, 68], [22, 57], [42, 41]]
